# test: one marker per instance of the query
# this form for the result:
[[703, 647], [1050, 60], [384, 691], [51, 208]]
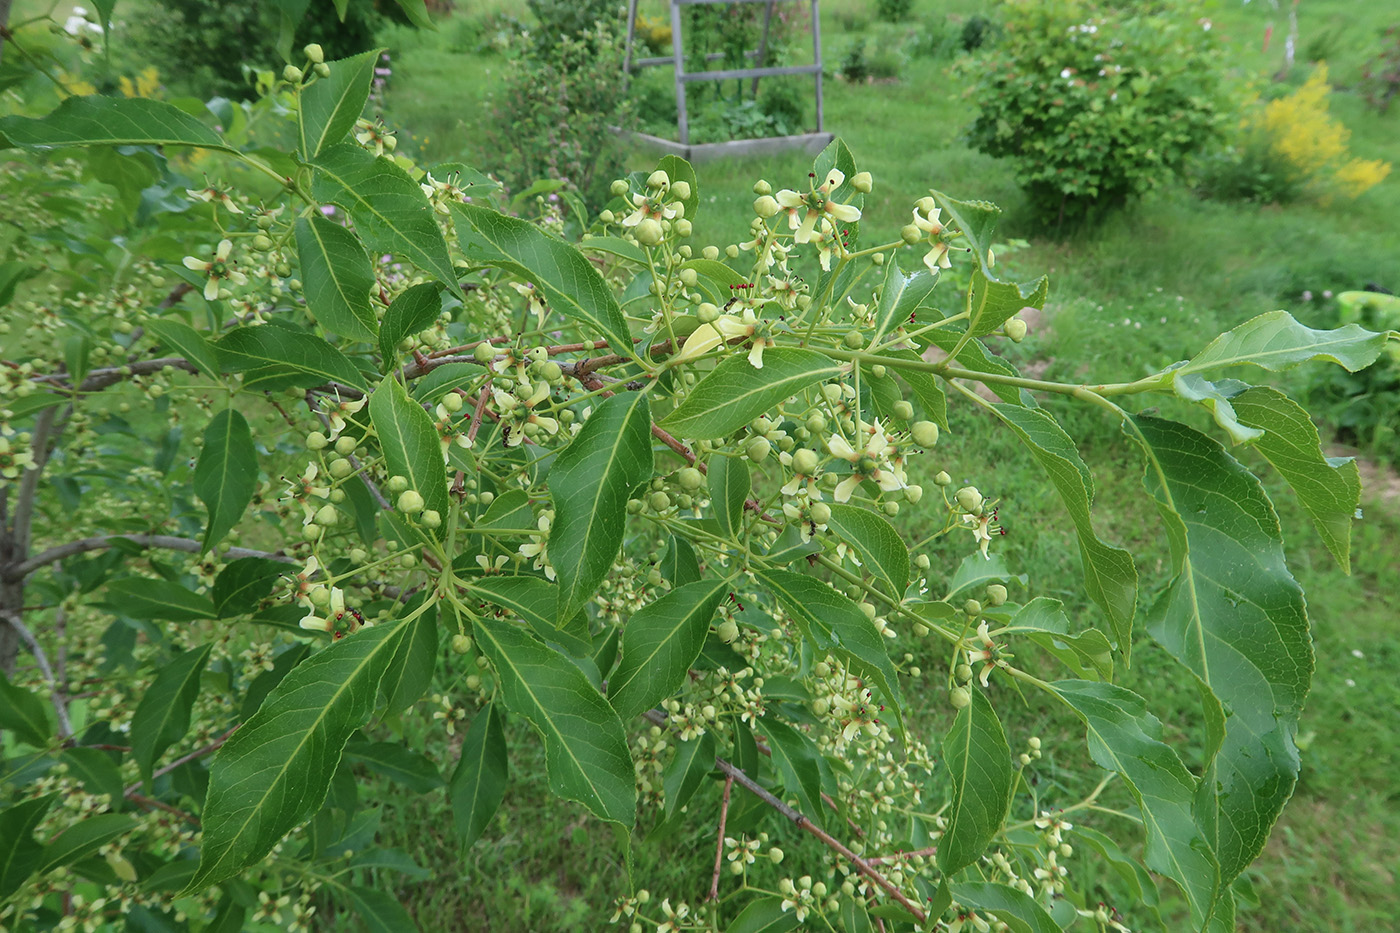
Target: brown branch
[[479, 410], [213, 746], [147, 803], [169, 542], [56, 694], [719, 842], [875, 860]]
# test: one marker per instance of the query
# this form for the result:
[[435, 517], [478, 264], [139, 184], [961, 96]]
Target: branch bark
[[56, 694], [23, 569]]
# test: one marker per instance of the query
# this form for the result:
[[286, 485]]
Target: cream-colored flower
[[927, 216], [816, 206], [340, 411], [214, 195], [720, 331], [870, 462], [218, 270]]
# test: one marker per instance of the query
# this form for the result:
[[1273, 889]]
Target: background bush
[[1095, 104]]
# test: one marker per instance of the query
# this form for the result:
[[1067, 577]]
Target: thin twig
[[147, 803], [99, 542], [56, 694], [719, 842], [183, 759]]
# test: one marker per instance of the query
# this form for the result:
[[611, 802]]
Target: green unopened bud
[[942, 478], [922, 562], [732, 252], [727, 630], [658, 179], [877, 258], [410, 502], [316, 441], [690, 478], [659, 501], [972, 607], [706, 313], [878, 371], [262, 243], [816, 423], [683, 228], [821, 513], [322, 70], [345, 445], [292, 74], [484, 353], [689, 277], [619, 188], [913, 493], [320, 597], [963, 673], [862, 182], [681, 189], [396, 484], [903, 410], [339, 469], [959, 697], [805, 462], [758, 449], [461, 644], [890, 508], [969, 498], [1015, 329], [649, 232], [607, 217], [326, 515], [432, 518], [911, 234], [996, 594], [925, 433], [314, 53], [766, 206], [762, 187], [854, 339]]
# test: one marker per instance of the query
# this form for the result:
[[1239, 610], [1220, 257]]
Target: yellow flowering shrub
[[1307, 147], [146, 83]]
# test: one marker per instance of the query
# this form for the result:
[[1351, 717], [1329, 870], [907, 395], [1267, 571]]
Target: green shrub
[[1095, 105], [571, 19], [934, 39], [1380, 76], [860, 64], [1363, 407], [976, 32], [552, 113], [893, 11]]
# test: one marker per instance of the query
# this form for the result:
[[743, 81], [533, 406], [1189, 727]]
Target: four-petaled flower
[[649, 208], [219, 269], [870, 462], [723, 329], [819, 206], [926, 218], [537, 548], [304, 488], [340, 410], [986, 655], [212, 194]]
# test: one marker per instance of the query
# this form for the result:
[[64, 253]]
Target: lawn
[[1143, 288]]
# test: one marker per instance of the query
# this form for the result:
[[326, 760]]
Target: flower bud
[[758, 449], [262, 243], [681, 189], [890, 508], [960, 697], [339, 469], [862, 182], [461, 644], [1015, 329], [658, 179], [659, 501], [972, 607], [396, 484], [805, 462], [684, 228], [316, 441], [607, 217], [762, 187], [731, 251], [911, 234], [776, 855], [922, 562], [649, 232], [484, 353], [322, 70], [432, 518], [727, 631], [877, 258], [942, 478], [925, 433], [913, 493], [315, 53], [996, 594], [969, 498], [821, 513], [619, 188], [292, 74], [1034, 742], [326, 515], [689, 277], [962, 673], [410, 502], [765, 206], [854, 339], [690, 478], [903, 410]]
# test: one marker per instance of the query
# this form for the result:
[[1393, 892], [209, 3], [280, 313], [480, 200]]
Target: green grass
[[1142, 289]]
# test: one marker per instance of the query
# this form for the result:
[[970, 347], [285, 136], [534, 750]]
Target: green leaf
[[979, 762], [835, 624], [77, 352], [876, 542], [273, 773], [98, 771], [263, 684], [415, 310], [380, 911], [1125, 738], [24, 714], [659, 644], [796, 758], [537, 602], [586, 752], [480, 781], [925, 388], [680, 565], [765, 915], [686, 771], [589, 484], [1088, 654], [1017, 909], [331, 105], [226, 475], [146, 598], [245, 583], [994, 302], [84, 838], [735, 393], [189, 343], [1215, 398], [1235, 617], [977, 571], [901, 295], [1275, 341], [338, 277], [110, 121], [1328, 488], [20, 854], [569, 282], [247, 348], [974, 356], [417, 13], [411, 670], [163, 716], [412, 448], [1139, 883], [390, 211], [401, 765], [623, 249], [977, 220], [729, 484], [1109, 575]]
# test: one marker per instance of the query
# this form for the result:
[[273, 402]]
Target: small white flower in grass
[[219, 269]]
